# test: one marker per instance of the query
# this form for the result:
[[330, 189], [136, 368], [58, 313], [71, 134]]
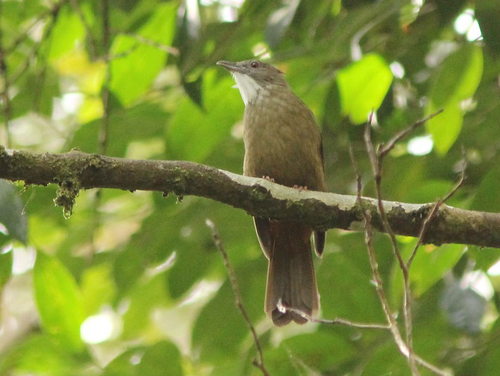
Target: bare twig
[[338, 321], [384, 149], [259, 363], [376, 159]]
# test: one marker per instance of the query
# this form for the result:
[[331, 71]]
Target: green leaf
[[6, 260], [124, 364], [306, 352], [363, 86], [487, 197], [486, 362], [484, 257], [163, 358], [133, 73], [67, 31], [349, 270], [445, 127], [144, 298], [457, 81], [194, 133], [123, 129], [59, 301], [429, 266], [220, 328], [97, 288], [40, 354], [12, 212]]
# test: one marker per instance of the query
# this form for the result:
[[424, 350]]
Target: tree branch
[[76, 170]]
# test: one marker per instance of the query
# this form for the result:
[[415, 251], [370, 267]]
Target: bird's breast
[[282, 140]]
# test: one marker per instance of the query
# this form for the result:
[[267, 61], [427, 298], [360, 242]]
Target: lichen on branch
[[258, 197]]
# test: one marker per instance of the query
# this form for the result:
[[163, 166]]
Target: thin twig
[[338, 321], [393, 326], [376, 159], [259, 363], [435, 210], [384, 149]]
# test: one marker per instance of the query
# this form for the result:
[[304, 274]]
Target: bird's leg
[[300, 188]]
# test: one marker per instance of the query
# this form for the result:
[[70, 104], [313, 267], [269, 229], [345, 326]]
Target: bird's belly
[[283, 154]]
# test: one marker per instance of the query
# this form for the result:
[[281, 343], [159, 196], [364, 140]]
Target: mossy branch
[[76, 170]]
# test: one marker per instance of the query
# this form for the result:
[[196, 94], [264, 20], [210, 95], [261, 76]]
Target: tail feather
[[291, 282]]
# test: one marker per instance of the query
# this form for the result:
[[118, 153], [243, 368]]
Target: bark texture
[[75, 170]]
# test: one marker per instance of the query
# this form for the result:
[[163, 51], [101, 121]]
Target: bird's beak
[[230, 66]]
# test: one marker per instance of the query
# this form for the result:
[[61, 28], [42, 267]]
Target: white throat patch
[[248, 87]]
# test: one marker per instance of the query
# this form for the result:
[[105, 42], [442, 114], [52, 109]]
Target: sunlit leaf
[[40, 354], [136, 64], [445, 127], [97, 288], [67, 32], [123, 129], [363, 86], [457, 81], [59, 301]]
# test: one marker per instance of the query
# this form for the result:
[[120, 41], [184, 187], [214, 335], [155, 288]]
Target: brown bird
[[282, 143]]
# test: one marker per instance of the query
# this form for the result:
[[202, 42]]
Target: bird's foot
[[300, 188], [268, 178]]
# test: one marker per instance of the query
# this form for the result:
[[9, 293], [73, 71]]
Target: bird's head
[[252, 76]]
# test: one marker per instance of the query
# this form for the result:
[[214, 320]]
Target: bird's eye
[[254, 64]]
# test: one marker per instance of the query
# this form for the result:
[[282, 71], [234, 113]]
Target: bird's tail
[[291, 282]]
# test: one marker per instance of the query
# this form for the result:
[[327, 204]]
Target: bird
[[283, 143]]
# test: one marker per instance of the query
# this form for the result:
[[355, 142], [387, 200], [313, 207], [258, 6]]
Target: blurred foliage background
[[131, 283]]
